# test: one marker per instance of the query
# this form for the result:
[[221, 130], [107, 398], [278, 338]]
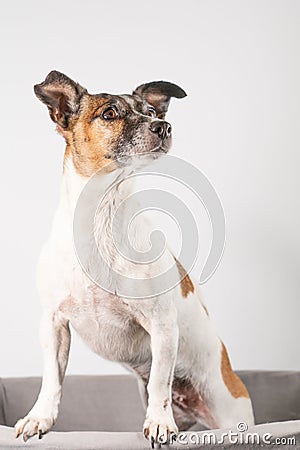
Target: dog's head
[[102, 127]]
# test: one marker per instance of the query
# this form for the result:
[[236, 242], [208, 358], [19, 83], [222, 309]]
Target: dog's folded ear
[[158, 94], [61, 95]]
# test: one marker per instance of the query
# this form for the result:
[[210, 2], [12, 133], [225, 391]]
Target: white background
[[239, 62]]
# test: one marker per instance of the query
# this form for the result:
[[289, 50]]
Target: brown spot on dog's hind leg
[[234, 384]]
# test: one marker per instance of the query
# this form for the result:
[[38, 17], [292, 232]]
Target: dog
[[168, 341]]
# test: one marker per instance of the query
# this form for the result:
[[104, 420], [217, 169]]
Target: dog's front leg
[[55, 339], [159, 425]]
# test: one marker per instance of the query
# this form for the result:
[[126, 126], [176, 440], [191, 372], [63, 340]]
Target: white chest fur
[[103, 319]]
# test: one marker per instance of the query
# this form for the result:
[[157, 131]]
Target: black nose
[[162, 128]]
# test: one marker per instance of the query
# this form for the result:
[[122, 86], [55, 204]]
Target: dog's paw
[[30, 425], [160, 429]]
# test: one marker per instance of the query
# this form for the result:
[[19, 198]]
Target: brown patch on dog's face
[[91, 137], [185, 283], [101, 128], [234, 384]]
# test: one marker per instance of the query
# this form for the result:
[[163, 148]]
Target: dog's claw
[[18, 434], [152, 442], [172, 437], [25, 437], [40, 434]]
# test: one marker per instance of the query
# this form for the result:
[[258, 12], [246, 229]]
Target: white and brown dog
[[167, 340]]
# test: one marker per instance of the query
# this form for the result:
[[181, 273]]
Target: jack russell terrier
[[168, 340]]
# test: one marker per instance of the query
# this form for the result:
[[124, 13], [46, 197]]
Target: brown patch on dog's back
[[234, 384], [185, 283]]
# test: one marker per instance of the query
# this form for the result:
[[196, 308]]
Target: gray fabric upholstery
[[105, 412], [135, 441], [89, 403], [275, 394], [2, 404]]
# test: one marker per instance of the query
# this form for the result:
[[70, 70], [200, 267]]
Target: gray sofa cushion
[[105, 412], [2, 403], [89, 403], [275, 394], [135, 441]]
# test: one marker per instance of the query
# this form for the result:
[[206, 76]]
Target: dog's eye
[[110, 113], [151, 112]]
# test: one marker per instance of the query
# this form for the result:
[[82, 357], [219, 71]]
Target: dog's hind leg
[[228, 398], [55, 339], [204, 381], [216, 398]]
